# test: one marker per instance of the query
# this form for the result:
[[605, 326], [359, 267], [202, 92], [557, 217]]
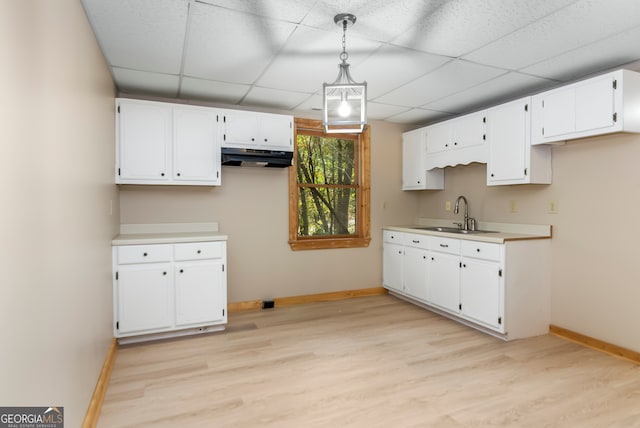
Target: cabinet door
[[416, 273], [393, 266], [144, 142], [413, 153], [444, 281], [200, 292], [468, 130], [196, 148], [559, 113], [276, 132], [144, 298], [240, 129], [481, 293], [509, 138], [595, 104], [438, 137]]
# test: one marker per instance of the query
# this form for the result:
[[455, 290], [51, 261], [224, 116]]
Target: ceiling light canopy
[[344, 101]]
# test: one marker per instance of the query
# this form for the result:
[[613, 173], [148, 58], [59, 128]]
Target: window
[[329, 188]]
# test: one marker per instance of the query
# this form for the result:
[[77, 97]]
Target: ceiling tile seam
[[185, 47], [521, 28], [243, 12], [433, 70], [269, 64], [574, 49]]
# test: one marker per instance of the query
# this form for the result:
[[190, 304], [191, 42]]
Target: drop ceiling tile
[[145, 35], [293, 11], [506, 87], [310, 58], [447, 80], [383, 111], [418, 116], [577, 25], [379, 20], [229, 46], [312, 103], [265, 97], [143, 82], [604, 54], [223, 92], [461, 26], [391, 67]]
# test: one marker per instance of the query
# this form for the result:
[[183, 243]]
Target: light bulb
[[344, 109]]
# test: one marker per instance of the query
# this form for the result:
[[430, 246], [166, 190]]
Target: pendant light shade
[[344, 101]]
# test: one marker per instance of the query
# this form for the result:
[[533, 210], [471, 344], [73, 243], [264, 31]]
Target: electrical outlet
[[447, 206], [553, 207], [513, 206]]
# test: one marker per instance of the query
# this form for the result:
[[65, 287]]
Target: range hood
[[252, 157]]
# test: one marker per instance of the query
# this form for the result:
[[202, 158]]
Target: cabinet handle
[[201, 251], [145, 254], [444, 245], [415, 242]]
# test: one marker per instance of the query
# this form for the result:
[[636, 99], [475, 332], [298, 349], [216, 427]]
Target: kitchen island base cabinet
[[502, 289], [165, 290]]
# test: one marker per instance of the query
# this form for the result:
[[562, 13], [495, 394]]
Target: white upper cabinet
[[414, 172], [162, 143], [600, 105], [144, 142], [196, 154], [456, 141], [260, 131], [512, 159]]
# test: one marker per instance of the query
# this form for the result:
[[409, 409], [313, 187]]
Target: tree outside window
[[328, 189]]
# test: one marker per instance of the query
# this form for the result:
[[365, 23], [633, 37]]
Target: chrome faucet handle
[[458, 224], [471, 223]]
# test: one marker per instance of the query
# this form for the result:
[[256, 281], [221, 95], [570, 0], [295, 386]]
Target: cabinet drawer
[[394, 237], [417, 241], [199, 250], [129, 254], [444, 245], [480, 250]]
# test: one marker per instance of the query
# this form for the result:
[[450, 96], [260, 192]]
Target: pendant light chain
[[344, 55]]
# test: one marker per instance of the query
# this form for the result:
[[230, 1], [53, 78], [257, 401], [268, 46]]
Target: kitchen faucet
[[468, 223]]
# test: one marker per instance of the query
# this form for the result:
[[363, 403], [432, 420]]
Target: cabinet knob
[[178, 174], [492, 175], [478, 249], [181, 270], [164, 273], [446, 145], [145, 254], [253, 139], [399, 251], [162, 174], [455, 144], [265, 140], [201, 251], [464, 266], [418, 181], [432, 258]]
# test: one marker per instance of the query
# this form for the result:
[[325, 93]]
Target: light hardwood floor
[[366, 362]]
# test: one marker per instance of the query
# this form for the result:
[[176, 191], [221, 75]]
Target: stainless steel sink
[[452, 230]]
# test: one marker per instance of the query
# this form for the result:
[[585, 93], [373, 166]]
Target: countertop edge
[[497, 237], [167, 238]]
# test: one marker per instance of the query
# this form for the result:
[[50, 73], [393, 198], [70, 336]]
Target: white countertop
[[167, 233], [502, 231]]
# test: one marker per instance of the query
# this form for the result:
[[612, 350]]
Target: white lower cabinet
[[165, 288], [502, 289]]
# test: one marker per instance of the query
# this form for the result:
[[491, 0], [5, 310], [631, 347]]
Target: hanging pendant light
[[344, 100]]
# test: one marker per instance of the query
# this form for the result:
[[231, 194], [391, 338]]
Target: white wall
[[252, 208], [56, 157], [595, 275]]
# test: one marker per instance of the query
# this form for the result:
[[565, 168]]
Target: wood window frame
[[362, 236]]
